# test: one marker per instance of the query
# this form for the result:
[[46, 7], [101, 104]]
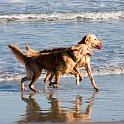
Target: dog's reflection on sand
[[56, 113]]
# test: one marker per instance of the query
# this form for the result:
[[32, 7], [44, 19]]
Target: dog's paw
[[78, 83], [38, 91], [57, 86], [24, 89], [97, 89], [81, 78], [51, 84]]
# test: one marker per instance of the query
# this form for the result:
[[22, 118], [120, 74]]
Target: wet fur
[[89, 40], [57, 63]]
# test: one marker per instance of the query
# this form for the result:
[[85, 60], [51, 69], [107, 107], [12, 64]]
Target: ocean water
[[55, 23], [61, 23]]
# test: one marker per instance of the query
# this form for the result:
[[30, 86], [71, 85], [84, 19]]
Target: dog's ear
[[85, 39], [88, 39], [27, 47]]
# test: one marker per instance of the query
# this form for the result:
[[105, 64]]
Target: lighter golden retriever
[[56, 62], [91, 41]]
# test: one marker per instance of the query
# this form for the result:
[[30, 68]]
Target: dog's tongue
[[100, 46]]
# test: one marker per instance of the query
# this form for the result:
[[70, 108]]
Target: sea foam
[[95, 71], [62, 16]]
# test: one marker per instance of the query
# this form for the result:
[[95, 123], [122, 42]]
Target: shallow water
[[56, 23], [48, 24], [68, 104]]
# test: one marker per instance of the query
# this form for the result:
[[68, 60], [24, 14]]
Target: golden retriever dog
[[70, 62], [91, 41], [57, 62], [85, 51]]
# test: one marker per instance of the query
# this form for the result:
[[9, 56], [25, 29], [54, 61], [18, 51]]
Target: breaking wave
[[62, 16], [96, 71]]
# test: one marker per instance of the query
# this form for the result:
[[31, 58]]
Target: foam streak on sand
[[62, 16]]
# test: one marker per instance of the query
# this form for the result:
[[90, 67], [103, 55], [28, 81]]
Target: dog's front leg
[[76, 75], [81, 77], [46, 78], [57, 78], [51, 77], [88, 69]]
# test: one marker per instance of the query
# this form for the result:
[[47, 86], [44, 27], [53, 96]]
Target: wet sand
[[70, 104]]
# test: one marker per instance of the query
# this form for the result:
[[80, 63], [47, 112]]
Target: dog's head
[[91, 41], [83, 49], [75, 52], [80, 50]]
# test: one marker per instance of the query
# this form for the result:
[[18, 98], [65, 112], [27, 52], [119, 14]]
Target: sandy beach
[[70, 104]]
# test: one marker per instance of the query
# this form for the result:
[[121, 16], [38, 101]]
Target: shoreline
[[69, 104]]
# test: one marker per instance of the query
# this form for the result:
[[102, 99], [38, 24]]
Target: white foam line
[[64, 16]]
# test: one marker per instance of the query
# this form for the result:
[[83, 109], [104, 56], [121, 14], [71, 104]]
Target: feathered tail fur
[[21, 57], [32, 52]]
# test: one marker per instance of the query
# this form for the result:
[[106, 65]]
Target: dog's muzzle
[[100, 46]]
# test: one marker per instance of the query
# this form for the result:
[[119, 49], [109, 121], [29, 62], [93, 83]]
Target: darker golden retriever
[[57, 63]]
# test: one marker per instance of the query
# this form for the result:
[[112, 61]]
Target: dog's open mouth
[[98, 46]]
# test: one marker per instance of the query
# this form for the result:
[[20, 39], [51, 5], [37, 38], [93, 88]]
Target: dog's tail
[[21, 57], [31, 52]]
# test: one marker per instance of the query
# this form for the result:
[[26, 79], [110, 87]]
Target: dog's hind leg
[[46, 78], [22, 83], [31, 85], [34, 79]]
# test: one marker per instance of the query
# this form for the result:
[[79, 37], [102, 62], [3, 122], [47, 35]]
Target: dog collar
[[88, 54]]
